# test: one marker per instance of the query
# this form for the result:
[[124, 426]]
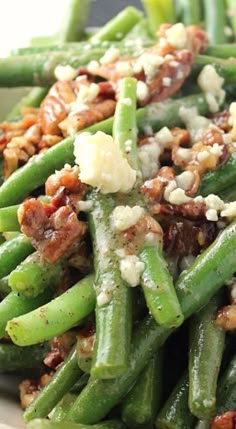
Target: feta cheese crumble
[[177, 36], [131, 269], [65, 72], [123, 217], [102, 164], [110, 56], [211, 84]]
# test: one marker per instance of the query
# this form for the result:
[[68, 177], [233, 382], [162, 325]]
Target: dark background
[[102, 10]]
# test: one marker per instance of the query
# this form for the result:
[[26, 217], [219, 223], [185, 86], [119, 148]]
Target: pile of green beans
[[123, 381]]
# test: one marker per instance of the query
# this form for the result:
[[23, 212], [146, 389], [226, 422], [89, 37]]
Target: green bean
[[113, 319], [155, 14], [225, 68], [120, 25], [175, 413], [140, 31], [75, 20], [34, 275], [13, 358], [56, 317], [15, 305], [32, 99], [228, 195], [220, 179], [210, 269], [131, 48], [215, 20], [206, 349], [158, 288], [61, 382], [12, 252], [8, 219], [190, 11], [59, 411], [224, 51], [100, 396], [143, 401], [226, 392], [36, 172], [84, 358], [124, 125], [232, 14], [4, 287], [47, 424]]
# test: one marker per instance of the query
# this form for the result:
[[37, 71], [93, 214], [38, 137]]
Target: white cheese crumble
[[212, 201], [197, 125], [178, 196], [93, 66], [128, 146], [131, 269], [211, 84], [164, 136], [149, 159], [85, 206], [150, 64], [166, 81], [65, 72], [127, 101], [110, 56], [88, 93], [102, 164], [185, 180], [177, 36], [211, 214], [103, 298], [142, 90], [124, 68], [123, 217], [229, 210]]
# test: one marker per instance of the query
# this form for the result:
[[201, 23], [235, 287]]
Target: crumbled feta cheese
[[212, 201], [128, 146], [178, 196], [93, 66], [102, 164], [150, 64], [211, 83], [169, 188], [174, 63], [203, 155], [110, 56], [166, 81], [77, 107], [197, 125], [131, 269], [88, 93], [227, 138], [142, 90], [211, 214], [124, 68], [184, 154], [177, 36], [103, 298], [216, 150], [65, 72], [149, 159], [199, 199], [229, 210], [123, 217], [85, 206], [185, 180], [127, 101], [164, 136]]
